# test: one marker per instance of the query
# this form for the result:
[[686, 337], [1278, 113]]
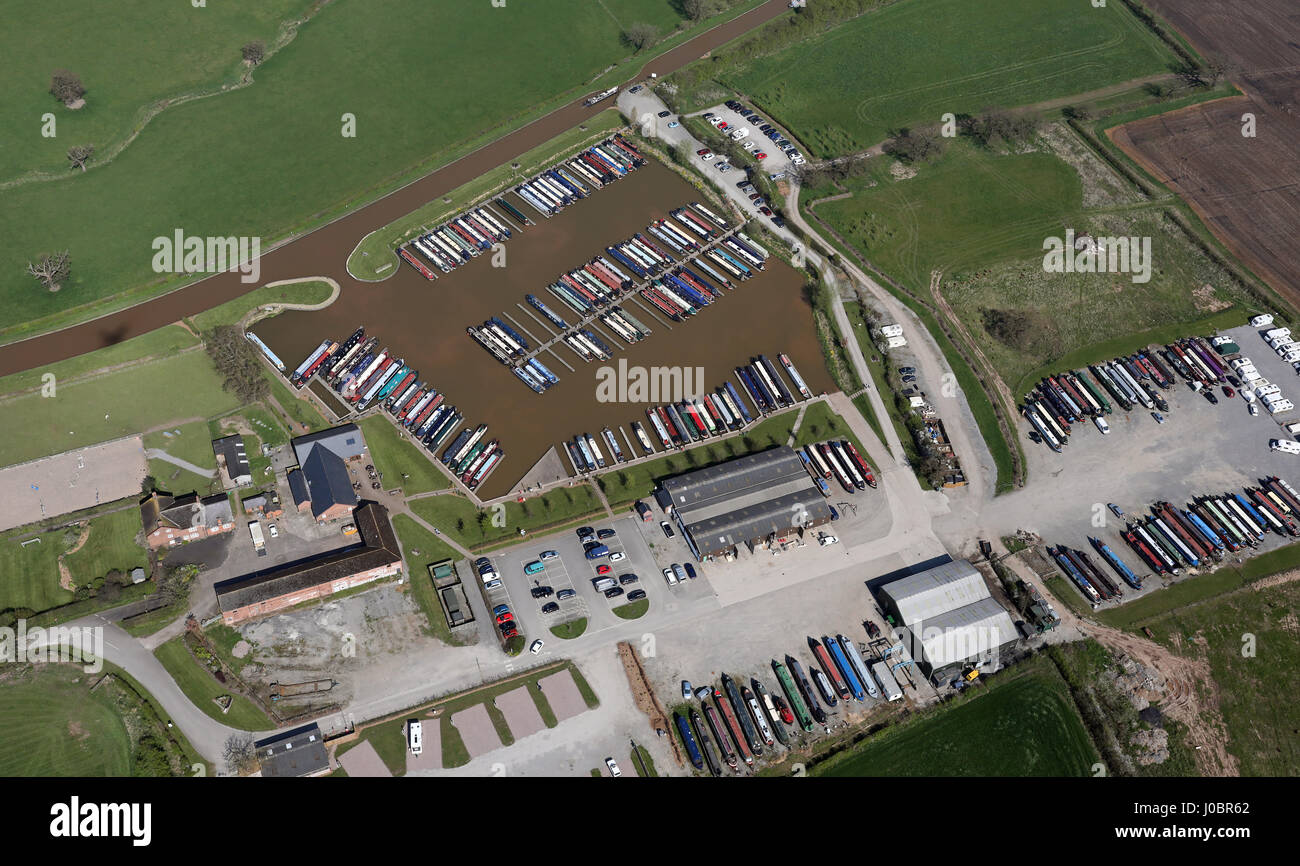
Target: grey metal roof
[[936, 591], [298, 487], [697, 490], [345, 441], [751, 523], [961, 634], [231, 449], [299, 752]]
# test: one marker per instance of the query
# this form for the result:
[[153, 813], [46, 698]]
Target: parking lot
[[1202, 448]]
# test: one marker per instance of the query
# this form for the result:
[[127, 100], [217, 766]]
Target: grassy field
[[415, 537], [458, 518], [374, 257], [1022, 723], [162, 343], [115, 404], [201, 688], [124, 77], [395, 456], [29, 576], [283, 163], [53, 727], [191, 444], [1249, 639], [308, 293], [913, 61]]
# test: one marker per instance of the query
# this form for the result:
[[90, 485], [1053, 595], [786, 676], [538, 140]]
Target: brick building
[[266, 592], [172, 520], [322, 483]]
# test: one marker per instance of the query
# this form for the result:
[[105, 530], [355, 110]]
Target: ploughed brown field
[[1247, 190]]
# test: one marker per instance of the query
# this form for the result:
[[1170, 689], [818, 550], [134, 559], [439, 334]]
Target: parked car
[[1209, 395], [536, 647], [670, 577], [508, 628], [500, 609], [602, 569], [584, 530], [765, 211], [828, 540], [690, 570], [1160, 419], [505, 617], [492, 584], [723, 167], [673, 124], [613, 767], [606, 533], [274, 530], [665, 113], [1227, 392], [1115, 509], [642, 510], [565, 593], [761, 155], [614, 592], [668, 530], [625, 579], [765, 128], [550, 607], [534, 567], [548, 555], [542, 592], [777, 220], [597, 551], [707, 157], [636, 595], [703, 692], [636, 88], [679, 572], [906, 370], [687, 691], [617, 556]]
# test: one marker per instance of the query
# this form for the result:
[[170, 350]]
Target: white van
[[1285, 445], [415, 736], [1293, 428], [1262, 321], [1101, 424]]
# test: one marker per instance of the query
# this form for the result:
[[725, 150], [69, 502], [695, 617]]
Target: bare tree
[[66, 86], [640, 35], [254, 52], [239, 754], [51, 270], [80, 154], [698, 10], [914, 145]]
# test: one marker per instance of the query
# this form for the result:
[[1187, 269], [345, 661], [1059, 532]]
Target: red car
[[505, 617], [765, 211], [602, 569], [701, 151], [760, 155], [1227, 391]]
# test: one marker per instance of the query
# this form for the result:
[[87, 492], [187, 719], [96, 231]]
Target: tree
[[254, 52], [174, 583], [51, 270], [237, 362], [239, 754], [914, 145], [698, 10], [66, 86], [80, 154], [640, 35]]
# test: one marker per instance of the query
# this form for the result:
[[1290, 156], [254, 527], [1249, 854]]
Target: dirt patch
[[644, 695], [901, 172], [65, 576], [241, 649]]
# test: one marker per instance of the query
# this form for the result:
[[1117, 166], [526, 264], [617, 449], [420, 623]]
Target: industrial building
[[751, 500], [947, 618], [378, 555]]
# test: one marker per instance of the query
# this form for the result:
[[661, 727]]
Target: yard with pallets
[[1022, 722], [910, 62], [413, 78]]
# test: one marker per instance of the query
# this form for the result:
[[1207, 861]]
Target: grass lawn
[[192, 444], [307, 293], [1021, 723], [283, 164], [642, 763], [431, 549], [29, 576], [304, 416], [135, 399], [1249, 638], [395, 456], [55, 727], [201, 688], [913, 61], [633, 609], [374, 258], [571, 629], [456, 516]]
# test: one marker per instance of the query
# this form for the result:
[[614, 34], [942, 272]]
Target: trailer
[[888, 684]]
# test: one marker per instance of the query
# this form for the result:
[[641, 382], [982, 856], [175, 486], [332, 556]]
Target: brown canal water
[[324, 251], [424, 322]]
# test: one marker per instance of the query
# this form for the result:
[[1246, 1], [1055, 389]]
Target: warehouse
[[947, 618], [750, 500]]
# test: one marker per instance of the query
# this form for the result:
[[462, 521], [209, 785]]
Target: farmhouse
[[947, 618], [172, 520], [265, 592], [750, 500]]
